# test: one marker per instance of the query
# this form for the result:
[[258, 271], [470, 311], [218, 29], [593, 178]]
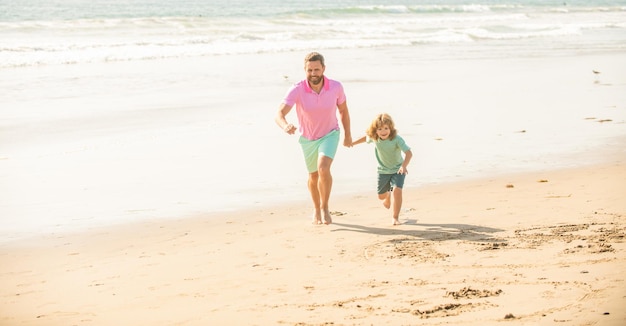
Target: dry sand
[[541, 248]]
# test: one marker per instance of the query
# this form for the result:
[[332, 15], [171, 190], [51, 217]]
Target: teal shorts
[[313, 149], [386, 182]]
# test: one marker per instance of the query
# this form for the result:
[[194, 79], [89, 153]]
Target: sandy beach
[[541, 248], [127, 214], [143, 180]]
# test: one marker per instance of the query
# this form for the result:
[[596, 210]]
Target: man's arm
[[281, 121], [345, 121]]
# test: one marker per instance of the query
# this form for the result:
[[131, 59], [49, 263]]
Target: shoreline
[[606, 157], [611, 157]]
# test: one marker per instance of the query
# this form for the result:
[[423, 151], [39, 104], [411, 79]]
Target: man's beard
[[315, 80]]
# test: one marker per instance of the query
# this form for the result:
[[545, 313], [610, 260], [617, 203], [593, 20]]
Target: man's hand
[[290, 129], [347, 141]]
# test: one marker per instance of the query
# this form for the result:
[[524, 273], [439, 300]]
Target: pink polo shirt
[[317, 113]]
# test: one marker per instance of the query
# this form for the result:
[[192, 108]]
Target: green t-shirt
[[389, 154]]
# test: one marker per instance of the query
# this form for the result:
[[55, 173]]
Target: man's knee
[[323, 165]]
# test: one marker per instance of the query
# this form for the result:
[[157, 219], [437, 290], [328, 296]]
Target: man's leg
[[315, 196], [325, 185]]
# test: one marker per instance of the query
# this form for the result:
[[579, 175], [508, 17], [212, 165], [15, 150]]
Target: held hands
[[347, 141], [356, 142]]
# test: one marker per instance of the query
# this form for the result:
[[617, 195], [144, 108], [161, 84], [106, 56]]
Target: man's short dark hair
[[314, 56]]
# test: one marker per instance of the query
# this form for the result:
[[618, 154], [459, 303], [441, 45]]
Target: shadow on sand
[[433, 232]]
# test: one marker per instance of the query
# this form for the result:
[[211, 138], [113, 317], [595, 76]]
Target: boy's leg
[[386, 198], [397, 182], [397, 204], [384, 186]]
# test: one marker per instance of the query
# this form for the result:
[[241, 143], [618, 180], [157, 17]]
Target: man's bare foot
[[396, 221], [387, 201], [317, 219], [327, 218]]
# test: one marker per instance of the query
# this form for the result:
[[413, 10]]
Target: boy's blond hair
[[381, 120]]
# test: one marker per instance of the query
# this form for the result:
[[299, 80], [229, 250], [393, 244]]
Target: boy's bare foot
[[327, 218], [387, 201], [396, 221]]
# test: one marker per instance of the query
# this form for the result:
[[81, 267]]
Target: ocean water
[[38, 32], [120, 111]]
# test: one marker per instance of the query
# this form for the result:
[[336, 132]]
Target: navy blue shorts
[[386, 182]]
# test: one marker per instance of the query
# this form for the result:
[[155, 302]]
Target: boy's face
[[383, 132]]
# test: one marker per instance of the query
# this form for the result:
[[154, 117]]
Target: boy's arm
[[407, 158], [359, 141]]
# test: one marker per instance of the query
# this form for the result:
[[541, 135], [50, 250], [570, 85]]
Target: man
[[317, 100]]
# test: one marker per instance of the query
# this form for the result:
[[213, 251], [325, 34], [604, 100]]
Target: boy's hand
[[403, 170]]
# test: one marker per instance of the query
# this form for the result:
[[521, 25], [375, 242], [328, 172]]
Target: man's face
[[314, 72]]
